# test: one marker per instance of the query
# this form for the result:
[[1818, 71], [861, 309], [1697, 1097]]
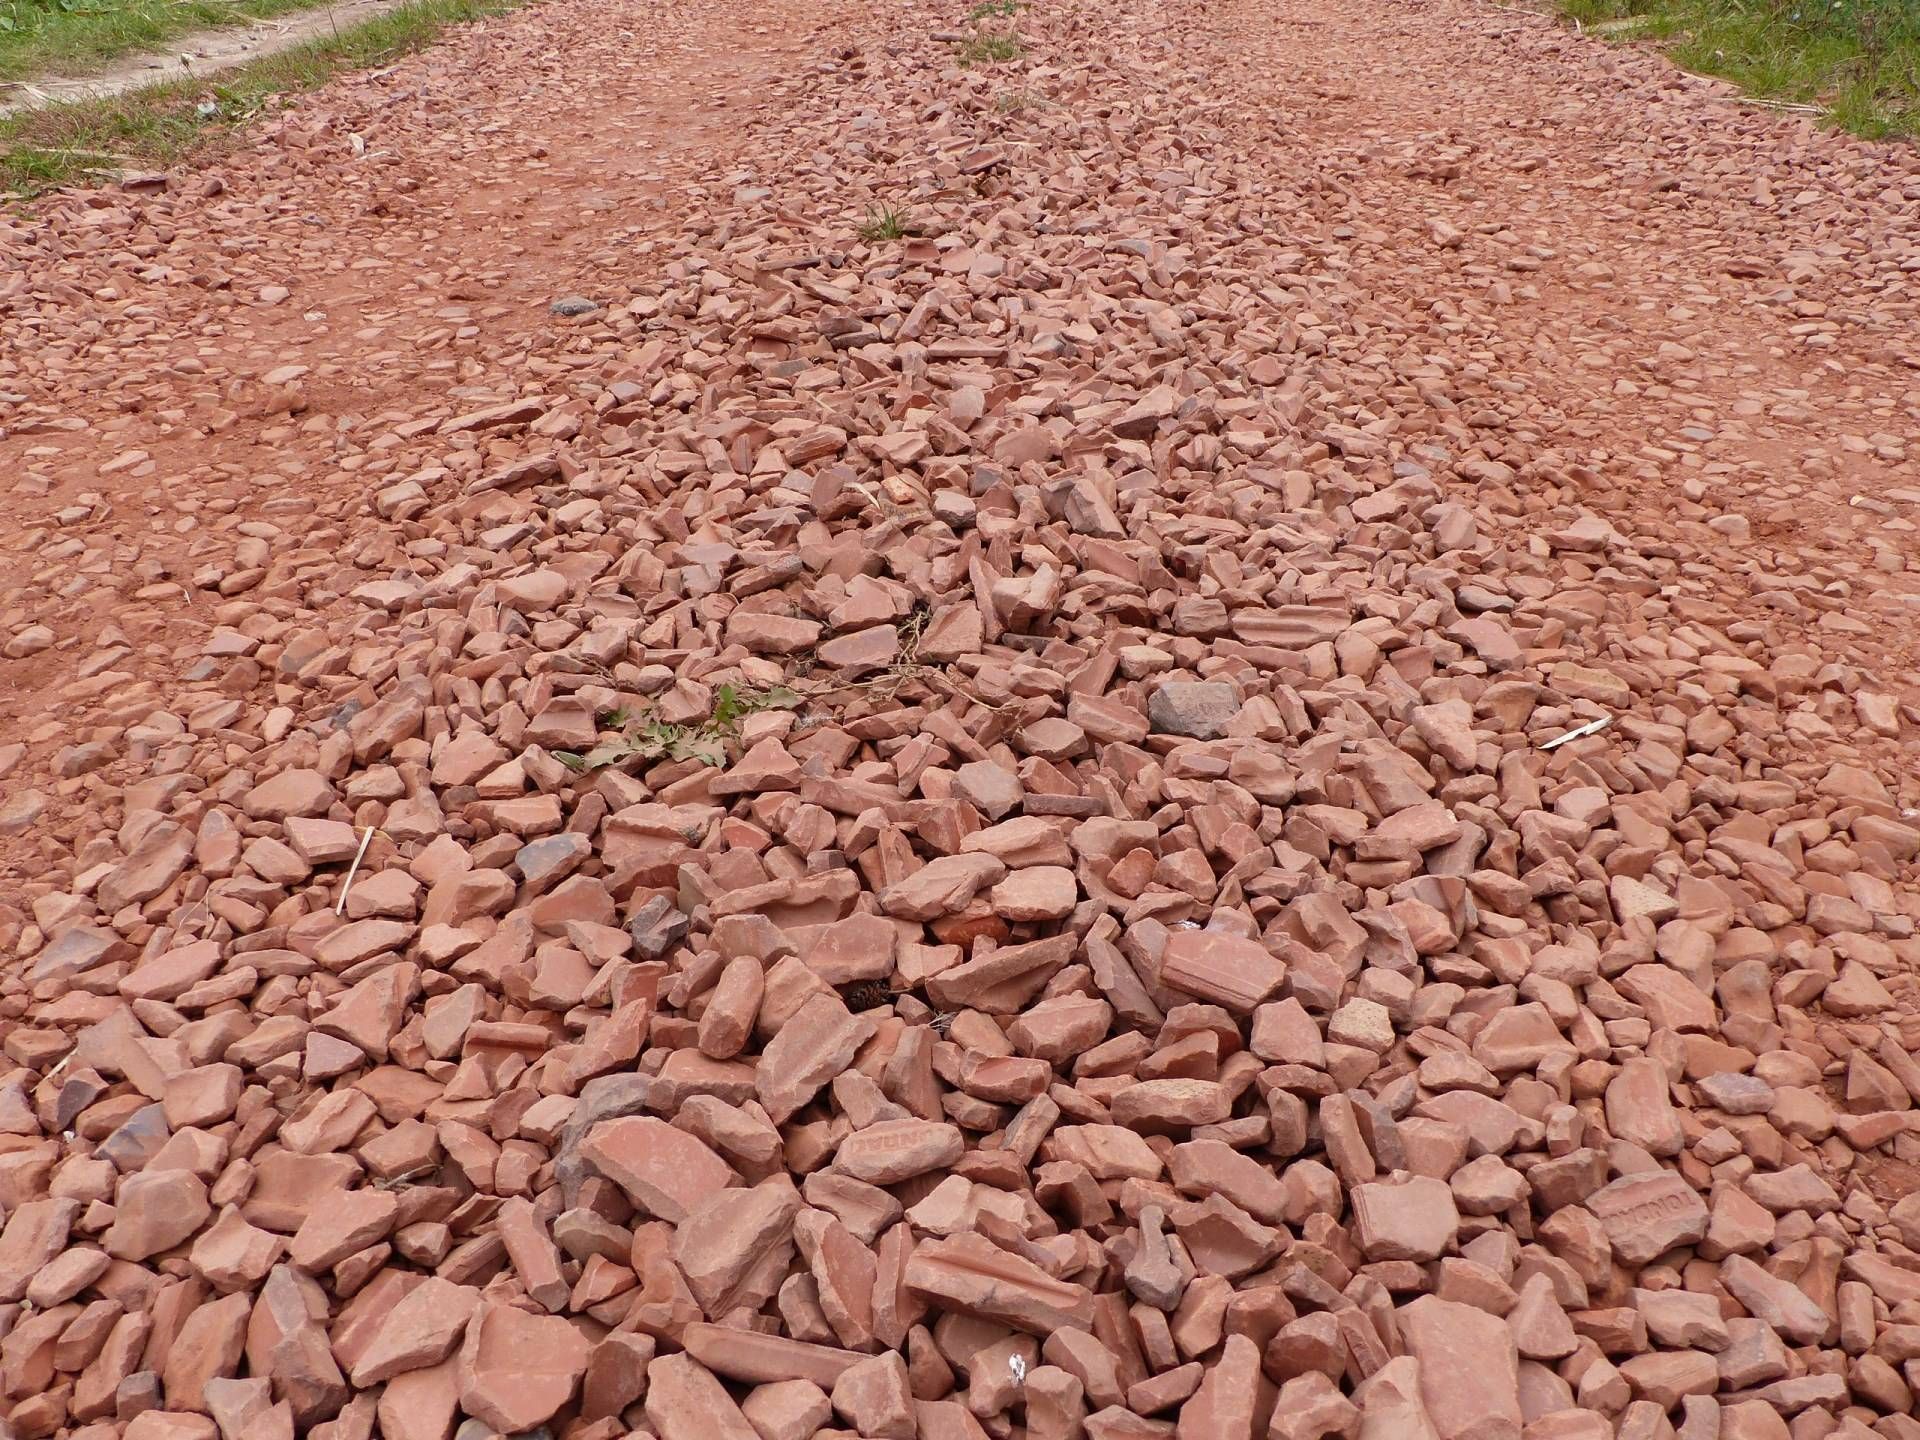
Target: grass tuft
[[884, 222], [1859, 60], [71, 37], [646, 740], [986, 47], [991, 8], [160, 125]]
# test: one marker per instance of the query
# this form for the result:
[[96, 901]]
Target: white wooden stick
[[1591, 727], [340, 907]]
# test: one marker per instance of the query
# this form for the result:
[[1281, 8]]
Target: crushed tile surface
[[1259, 784]]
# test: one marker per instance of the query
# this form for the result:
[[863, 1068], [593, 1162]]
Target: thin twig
[[340, 908], [125, 160], [1592, 727], [1760, 102], [405, 1177]]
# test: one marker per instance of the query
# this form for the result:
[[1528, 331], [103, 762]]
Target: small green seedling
[[884, 222], [984, 47], [655, 740]]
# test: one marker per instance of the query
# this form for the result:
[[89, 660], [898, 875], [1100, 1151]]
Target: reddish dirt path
[[1680, 309], [1285, 422], [180, 366]]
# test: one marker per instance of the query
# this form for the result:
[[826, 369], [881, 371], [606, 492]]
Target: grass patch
[[986, 47], [71, 37], [649, 740], [991, 8], [160, 125], [884, 222], [1859, 60]]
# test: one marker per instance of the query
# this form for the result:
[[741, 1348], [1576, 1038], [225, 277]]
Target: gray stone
[[1735, 1094], [1201, 709]]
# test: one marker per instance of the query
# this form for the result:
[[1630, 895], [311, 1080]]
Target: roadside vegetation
[[158, 125], [1856, 62], [985, 45], [72, 37], [884, 222]]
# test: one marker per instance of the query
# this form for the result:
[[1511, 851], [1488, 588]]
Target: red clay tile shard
[[1225, 1405], [685, 1402], [759, 1358], [35, 1233], [816, 1043], [942, 886], [536, 1259], [155, 1211], [347, 1224], [1469, 1369], [245, 1410], [728, 1237], [1648, 1214], [1414, 1220], [287, 1342], [971, 1274], [665, 1171], [422, 1329], [517, 1370], [1227, 969], [890, 1151]]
